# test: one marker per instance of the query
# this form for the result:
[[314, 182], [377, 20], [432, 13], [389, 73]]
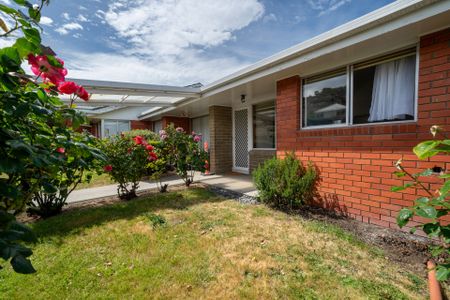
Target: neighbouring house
[[352, 100]]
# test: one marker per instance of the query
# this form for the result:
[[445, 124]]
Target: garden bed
[[211, 247]]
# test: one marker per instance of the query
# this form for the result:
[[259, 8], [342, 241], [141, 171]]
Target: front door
[[240, 160]]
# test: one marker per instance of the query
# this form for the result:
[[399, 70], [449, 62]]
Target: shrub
[[127, 162], [285, 182], [32, 122], [434, 206], [76, 156], [183, 152], [145, 133]]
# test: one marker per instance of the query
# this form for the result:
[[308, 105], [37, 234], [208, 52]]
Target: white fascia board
[[380, 21], [128, 88]]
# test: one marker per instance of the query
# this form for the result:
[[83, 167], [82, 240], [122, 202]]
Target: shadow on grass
[[75, 221]]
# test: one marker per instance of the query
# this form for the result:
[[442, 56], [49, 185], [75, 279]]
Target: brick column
[[220, 130], [288, 113]]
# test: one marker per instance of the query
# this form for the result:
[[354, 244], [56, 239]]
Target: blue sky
[[179, 42]]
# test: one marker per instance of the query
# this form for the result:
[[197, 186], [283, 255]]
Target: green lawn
[[211, 248], [97, 180]]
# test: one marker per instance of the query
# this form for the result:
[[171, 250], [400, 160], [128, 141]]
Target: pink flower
[[41, 66], [138, 140], [68, 87], [82, 93], [197, 138], [163, 137], [108, 168], [61, 150], [162, 132], [179, 129], [149, 148]]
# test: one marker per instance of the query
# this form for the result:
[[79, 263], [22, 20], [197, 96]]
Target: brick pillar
[[220, 128], [288, 113]]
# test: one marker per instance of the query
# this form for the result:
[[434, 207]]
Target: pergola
[[105, 95]]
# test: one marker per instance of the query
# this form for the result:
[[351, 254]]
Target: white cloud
[[269, 18], [46, 21], [7, 2], [167, 27], [119, 67], [66, 28], [326, 6], [82, 18], [66, 16]]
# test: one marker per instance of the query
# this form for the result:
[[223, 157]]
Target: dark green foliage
[[156, 220], [146, 134], [285, 182]]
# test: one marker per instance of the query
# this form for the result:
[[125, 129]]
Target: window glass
[[264, 125], [110, 128], [324, 100], [385, 91]]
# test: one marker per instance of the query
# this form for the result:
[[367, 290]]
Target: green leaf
[[8, 10], [399, 174], [403, 217], [426, 149], [432, 229], [22, 265], [442, 273], [20, 2], [34, 14], [401, 188], [27, 234], [427, 172], [422, 200], [445, 188], [53, 61], [33, 35], [24, 47], [427, 212]]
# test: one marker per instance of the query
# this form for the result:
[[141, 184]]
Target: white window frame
[[117, 125], [349, 101]]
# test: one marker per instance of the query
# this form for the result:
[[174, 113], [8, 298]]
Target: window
[[382, 90], [324, 99], [201, 126], [113, 127], [157, 126], [264, 125]]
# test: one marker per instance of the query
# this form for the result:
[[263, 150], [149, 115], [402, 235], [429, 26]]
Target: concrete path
[[236, 182]]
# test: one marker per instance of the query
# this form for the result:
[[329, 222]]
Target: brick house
[[352, 100]]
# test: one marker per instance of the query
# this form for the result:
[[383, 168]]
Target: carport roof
[[112, 93]]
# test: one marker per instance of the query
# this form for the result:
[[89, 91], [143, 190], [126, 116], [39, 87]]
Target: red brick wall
[[141, 125], [356, 163], [185, 123]]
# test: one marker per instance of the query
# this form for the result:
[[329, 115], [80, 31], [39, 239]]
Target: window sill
[[343, 126]]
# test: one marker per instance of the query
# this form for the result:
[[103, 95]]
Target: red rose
[[138, 140], [61, 150], [82, 93], [149, 148], [68, 87], [107, 168]]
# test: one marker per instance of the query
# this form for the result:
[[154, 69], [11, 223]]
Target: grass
[[192, 244], [97, 180]]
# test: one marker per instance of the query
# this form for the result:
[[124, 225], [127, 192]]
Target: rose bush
[[127, 162], [435, 205], [33, 122], [183, 152]]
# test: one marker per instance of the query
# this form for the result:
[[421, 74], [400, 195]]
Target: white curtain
[[393, 90]]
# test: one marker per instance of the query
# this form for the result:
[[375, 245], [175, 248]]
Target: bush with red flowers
[[128, 160], [183, 152], [36, 145]]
